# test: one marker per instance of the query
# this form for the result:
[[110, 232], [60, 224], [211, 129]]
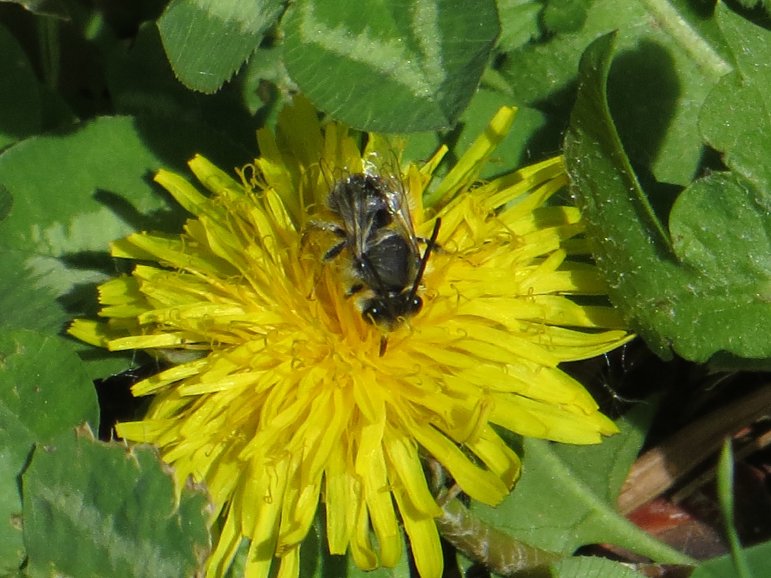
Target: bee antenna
[[327, 172], [424, 260]]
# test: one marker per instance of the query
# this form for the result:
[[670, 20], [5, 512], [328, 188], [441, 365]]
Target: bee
[[376, 229]]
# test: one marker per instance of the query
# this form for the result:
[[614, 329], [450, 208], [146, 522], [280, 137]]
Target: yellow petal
[[424, 538], [467, 169], [91, 332], [406, 474]]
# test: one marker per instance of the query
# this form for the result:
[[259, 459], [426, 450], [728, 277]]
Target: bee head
[[388, 312]]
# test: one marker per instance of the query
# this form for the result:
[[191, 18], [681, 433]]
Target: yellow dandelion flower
[[292, 396]]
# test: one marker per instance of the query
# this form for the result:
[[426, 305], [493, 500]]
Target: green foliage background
[[663, 110]]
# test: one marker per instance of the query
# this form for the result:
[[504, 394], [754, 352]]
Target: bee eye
[[375, 312], [412, 306]]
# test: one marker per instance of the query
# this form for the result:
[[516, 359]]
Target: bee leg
[[334, 251], [333, 228], [354, 289]]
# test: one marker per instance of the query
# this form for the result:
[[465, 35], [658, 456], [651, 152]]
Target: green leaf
[[208, 40], [115, 514], [44, 390], [25, 299], [631, 245], [388, 66], [6, 202], [592, 567], [567, 494], [20, 103], [44, 384], [565, 15], [758, 559], [698, 308], [736, 118], [519, 22], [721, 228], [401, 570], [317, 562], [95, 188], [263, 73]]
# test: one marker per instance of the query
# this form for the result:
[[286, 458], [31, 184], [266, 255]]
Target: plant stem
[[725, 487], [687, 37], [499, 552]]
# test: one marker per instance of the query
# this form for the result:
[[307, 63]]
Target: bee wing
[[383, 164], [399, 207], [357, 218]]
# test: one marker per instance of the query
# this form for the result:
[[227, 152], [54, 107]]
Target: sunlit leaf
[[44, 390], [115, 514], [208, 40], [736, 118], [390, 66], [73, 194]]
